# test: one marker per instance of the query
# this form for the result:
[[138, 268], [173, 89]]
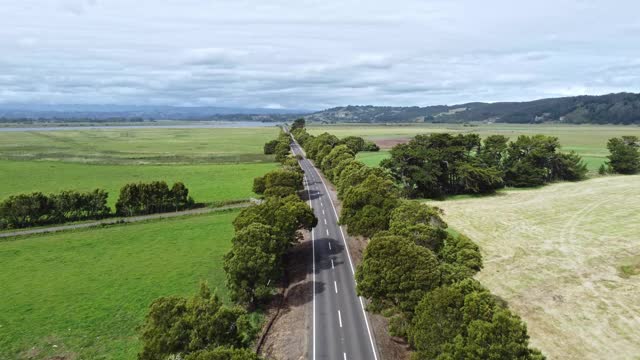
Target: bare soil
[[389, 143], [286, 339]]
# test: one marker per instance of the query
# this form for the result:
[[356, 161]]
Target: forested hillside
[[622, 108]]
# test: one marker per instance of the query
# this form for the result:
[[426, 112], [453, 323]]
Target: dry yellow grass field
[[567, 259]]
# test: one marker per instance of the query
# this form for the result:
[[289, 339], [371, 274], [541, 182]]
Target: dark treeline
[[154, 197], [413, 270], [438, 165], [27, 210], [202, 328], [622, 108]]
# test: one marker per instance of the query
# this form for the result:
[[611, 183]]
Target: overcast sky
[[308, 54]]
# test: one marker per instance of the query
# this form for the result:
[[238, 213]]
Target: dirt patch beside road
[[287, 339]]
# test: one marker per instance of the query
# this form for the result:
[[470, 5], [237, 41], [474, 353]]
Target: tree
[[624, 157], [429, 166], [264, 237], [461, 259], [420, 223], [251, 273], [26, 210], [176, 325], [396, 273], [440, 316], [503, 337], [270, 147], [366, 207], [474, 179], [286, 215], [259, 185], [493, 150], [568, 166], [284, 178], [223, 353], [602, 170], [298, 124], [354, 143], [180, 197], [153, 197]]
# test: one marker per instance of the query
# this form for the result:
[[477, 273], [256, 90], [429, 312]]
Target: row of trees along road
[[202, 328], [438, 165], [413, 270], [26, 210]]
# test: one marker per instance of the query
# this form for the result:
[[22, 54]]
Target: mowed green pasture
[[82, 294], [587, 140], [206, 182], [140, 146]]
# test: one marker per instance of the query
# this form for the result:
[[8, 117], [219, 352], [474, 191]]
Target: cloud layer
[[314, 54]]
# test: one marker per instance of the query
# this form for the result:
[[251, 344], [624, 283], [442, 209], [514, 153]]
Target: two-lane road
[[340, 326]]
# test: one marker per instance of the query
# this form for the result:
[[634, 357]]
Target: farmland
[[140, 146], [566, 258], [84, 293], [87, 291], [588, 141], [206, 182], [215, 164]]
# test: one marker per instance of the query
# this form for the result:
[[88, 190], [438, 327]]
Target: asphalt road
[[340, 326]]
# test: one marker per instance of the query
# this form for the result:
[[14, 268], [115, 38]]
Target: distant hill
[[622, 108], [31, 112]]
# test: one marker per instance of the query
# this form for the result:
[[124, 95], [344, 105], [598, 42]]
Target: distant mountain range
[[622, 108], [12, 113]]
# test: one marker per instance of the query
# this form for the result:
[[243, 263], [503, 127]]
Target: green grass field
[[215, 164], [587, 140], [206, 182], [140, 146], [82, 294]]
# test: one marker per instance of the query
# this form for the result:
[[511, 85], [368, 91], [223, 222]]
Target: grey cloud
[[314, 54]]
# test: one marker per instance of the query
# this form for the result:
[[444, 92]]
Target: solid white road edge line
[[366, 321], [344, 241]]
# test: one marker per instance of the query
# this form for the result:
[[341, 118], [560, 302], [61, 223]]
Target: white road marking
[[335, 286], [333, 267], [330, 248], [340, 318], [322, 211], [325, 221], [327, 232], [366, 321]]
